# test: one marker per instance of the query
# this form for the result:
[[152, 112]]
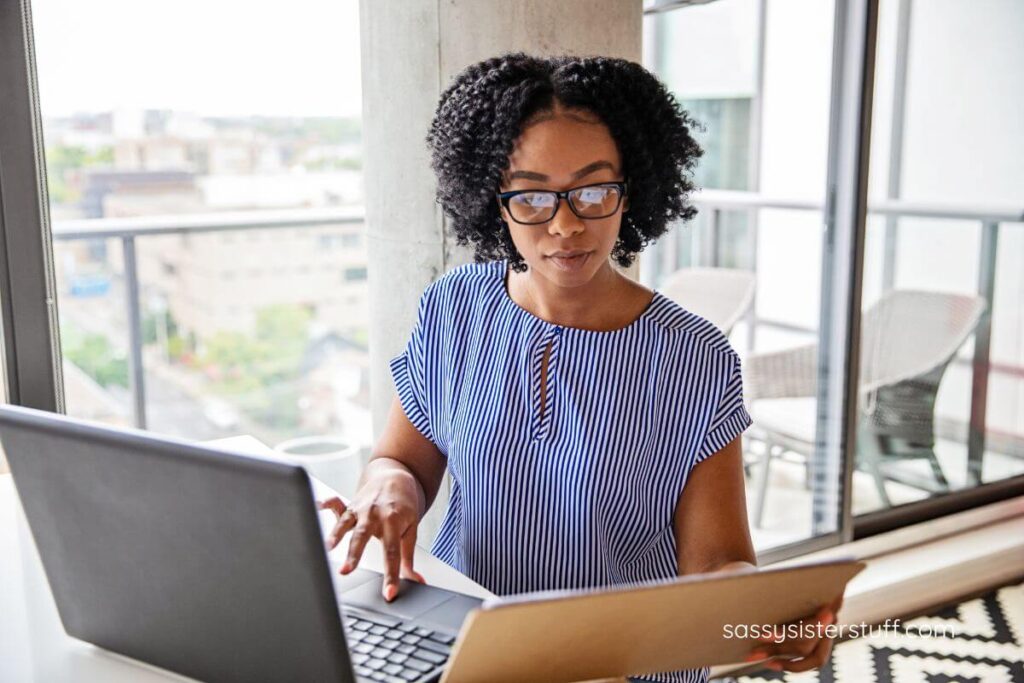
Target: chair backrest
[[720, 295], [908, 332]]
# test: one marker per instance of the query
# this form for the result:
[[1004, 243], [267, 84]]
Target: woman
[[591, 426]]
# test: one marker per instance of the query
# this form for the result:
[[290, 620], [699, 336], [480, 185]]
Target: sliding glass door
[[941, 391]]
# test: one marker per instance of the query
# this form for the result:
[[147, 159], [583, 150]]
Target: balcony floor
[[787, 515]]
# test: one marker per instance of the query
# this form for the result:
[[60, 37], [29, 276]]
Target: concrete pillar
[[411, 49]]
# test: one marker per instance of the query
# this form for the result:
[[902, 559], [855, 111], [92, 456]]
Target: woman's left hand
[[799, 654]]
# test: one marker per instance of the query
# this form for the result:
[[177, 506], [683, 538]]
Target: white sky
[[214, 57]]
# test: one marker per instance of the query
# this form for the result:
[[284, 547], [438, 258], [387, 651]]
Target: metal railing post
[[894, 176], [754, 218], [135, 370], [891, 237], [711, 249], [982, 347]]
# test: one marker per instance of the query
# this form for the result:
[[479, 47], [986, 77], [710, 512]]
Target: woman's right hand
[[388, 506]]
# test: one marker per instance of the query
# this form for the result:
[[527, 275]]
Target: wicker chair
[[908, 338], [720, 295]]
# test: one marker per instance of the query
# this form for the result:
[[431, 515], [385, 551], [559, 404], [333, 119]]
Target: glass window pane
[[942, 384], [202, 162], [757, 272]]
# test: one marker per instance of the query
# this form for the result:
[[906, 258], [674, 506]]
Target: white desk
[[33, 645]]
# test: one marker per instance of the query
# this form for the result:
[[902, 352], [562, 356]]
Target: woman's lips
[[570, 263]]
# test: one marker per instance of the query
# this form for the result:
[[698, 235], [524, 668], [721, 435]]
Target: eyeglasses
[[531, 207]]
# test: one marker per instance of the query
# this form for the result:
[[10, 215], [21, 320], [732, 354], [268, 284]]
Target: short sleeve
[[731, 417], [410, 369]]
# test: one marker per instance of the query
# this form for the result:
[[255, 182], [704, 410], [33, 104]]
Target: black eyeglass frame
[[622, 185]]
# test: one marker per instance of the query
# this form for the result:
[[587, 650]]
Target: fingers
[[385, 507], [790, 648], [346, 521], [356, 545], [333, 504], [398, 539], [342, 525], [808, 653], [392, 539], [409, 555], [818, 656]]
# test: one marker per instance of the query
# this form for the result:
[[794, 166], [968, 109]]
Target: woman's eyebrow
[[585, 171]]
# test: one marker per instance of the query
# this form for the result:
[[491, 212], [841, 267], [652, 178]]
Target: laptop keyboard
[[383, 648]]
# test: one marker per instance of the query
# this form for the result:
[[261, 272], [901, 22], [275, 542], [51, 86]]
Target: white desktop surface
[[33, 645]]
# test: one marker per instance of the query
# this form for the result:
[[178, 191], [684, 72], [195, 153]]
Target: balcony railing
[[127, 230], [712, 202]]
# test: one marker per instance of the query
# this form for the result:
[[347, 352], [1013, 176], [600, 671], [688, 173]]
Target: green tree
[[263, 372], [63, 158], [151, 322], [94, 354]]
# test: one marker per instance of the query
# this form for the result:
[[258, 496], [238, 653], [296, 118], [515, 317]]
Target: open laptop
[[209, 563]]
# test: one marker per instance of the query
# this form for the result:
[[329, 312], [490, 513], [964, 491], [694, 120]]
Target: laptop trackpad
[[451, 613], [413, 598], [415, 601]]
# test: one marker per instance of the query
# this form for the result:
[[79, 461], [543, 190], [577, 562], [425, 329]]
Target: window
[[941, 404], [355, 274], [205, 297], [938, 407], [765, 260]]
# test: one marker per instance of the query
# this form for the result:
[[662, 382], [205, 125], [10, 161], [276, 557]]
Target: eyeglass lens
[[593, 201]]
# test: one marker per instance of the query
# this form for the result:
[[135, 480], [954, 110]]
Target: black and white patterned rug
[[981, 641]]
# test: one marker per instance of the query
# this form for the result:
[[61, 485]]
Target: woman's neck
[[609, 301]]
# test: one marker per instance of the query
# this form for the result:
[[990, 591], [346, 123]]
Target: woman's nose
[[565, 222]]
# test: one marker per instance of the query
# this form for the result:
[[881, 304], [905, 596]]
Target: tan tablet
[[682, 623]]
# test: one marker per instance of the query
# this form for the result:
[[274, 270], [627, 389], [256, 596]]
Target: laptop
[[209, 563], [684, 622]]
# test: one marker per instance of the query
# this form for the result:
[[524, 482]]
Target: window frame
[[28, 302], [852, 91]]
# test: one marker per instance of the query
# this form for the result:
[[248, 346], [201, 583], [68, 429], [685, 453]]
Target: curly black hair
[[481, 114]]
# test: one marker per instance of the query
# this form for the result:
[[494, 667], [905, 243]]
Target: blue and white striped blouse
[[584, 495]]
